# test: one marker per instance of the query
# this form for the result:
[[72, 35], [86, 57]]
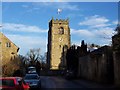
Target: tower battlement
[[62, 21]]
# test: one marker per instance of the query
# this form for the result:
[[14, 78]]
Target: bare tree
[[118, 29], [33, 56]]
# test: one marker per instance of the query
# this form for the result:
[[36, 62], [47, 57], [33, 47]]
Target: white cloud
[[31, 8], [106, 32], [73, 15], [82, 32], [68, 6], [99, 26], [115, 22], [97, 36], [62, 5], [22, 28], [95, 21], [25, 43], [96, 29]]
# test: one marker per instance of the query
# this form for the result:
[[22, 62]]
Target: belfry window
[[61, 30], [59, 46]]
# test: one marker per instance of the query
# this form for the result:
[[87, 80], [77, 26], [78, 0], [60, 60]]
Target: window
[[59, 46], [61, 30], [8, 82], [8, 44]]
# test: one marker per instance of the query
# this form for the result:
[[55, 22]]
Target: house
[[8, 50]]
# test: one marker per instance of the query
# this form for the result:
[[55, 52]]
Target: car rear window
[[8, 82]]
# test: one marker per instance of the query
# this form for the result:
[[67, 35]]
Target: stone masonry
[[58, 37], [8, 50]]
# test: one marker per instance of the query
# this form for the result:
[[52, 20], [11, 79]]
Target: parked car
[[13, 83], [32, 70], [33, 80], [69, 74]]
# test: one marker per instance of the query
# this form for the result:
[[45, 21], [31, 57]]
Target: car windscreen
[[7, 82], [31, 77], [32, 69]]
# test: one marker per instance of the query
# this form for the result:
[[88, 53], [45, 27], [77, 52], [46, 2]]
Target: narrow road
[[52, 82], [57, 82]]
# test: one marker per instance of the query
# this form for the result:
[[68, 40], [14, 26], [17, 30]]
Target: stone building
[[97, 65], [116, 56], [8, 50], [58, 37], [72, 57]]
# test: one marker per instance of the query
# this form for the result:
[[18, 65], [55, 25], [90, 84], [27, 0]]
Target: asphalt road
[[55, 83], [51, 82]]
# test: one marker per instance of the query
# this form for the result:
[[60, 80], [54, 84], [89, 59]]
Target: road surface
[[57, 82], [53, 82]]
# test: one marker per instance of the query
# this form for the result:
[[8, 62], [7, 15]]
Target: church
[[58, 42]]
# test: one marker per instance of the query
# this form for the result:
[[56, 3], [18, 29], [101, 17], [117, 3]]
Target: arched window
[[61, 30]]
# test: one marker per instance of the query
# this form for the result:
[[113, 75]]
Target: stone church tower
[[58, 42]]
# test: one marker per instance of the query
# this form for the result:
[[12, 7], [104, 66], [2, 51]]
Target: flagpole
[[58, 12]]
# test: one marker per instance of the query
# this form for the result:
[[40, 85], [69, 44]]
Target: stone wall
[[116, 58], [8, 52], [97, 66]]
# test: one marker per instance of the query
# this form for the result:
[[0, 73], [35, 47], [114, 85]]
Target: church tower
[[58, 38]]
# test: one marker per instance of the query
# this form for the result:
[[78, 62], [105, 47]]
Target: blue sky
[[26, 23]]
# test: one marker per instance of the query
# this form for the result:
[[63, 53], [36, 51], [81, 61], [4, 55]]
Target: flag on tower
[[59, 11]]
